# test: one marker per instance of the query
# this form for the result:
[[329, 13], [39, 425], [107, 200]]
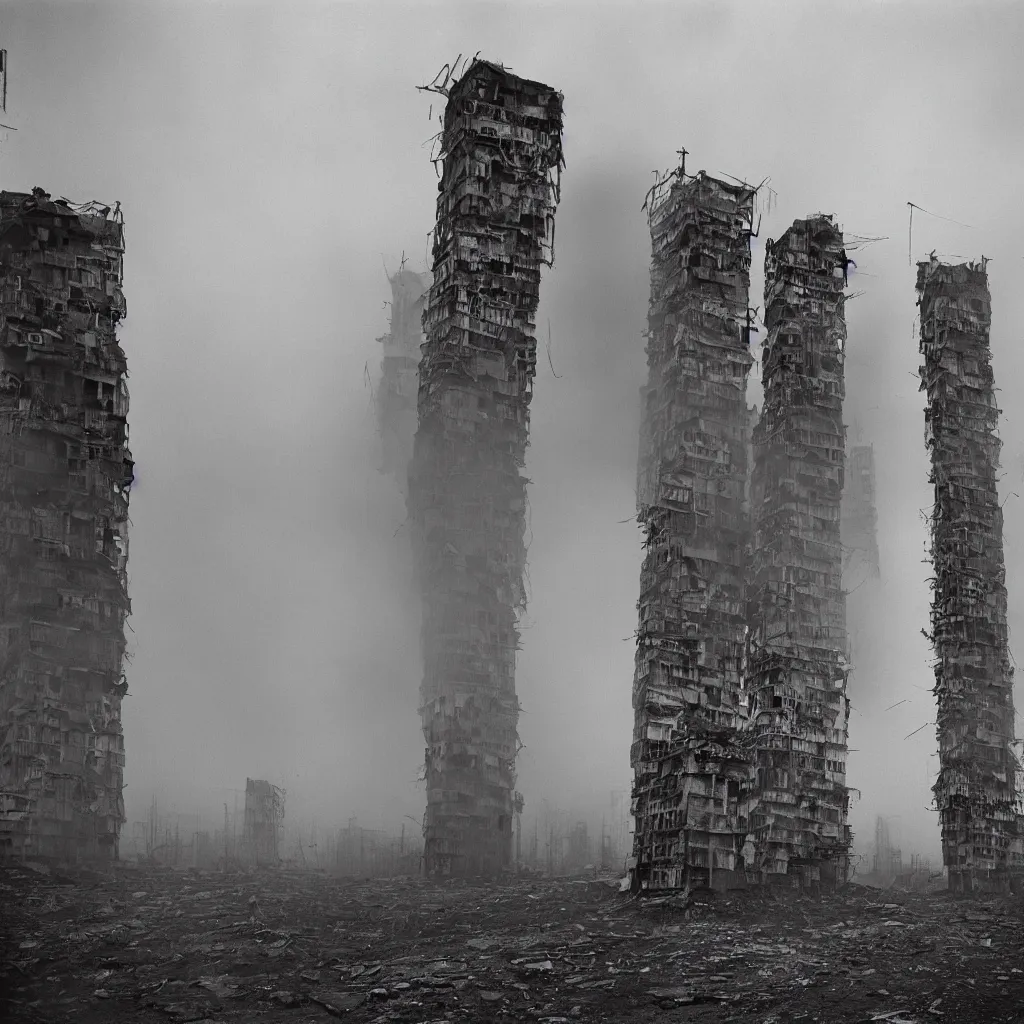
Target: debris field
[[147, 944]]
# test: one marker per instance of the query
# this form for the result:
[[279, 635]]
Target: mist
[[273, 165]]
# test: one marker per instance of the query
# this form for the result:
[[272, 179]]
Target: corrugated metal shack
[[979, 806], [399, 372], [501, 158], [797, 606], [65, 472], [691, 765]]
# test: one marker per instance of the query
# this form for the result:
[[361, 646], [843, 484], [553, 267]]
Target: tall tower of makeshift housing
[[502, 155], [975, 791], [399, 369], [797, 606], [691, 768], [65, 471]]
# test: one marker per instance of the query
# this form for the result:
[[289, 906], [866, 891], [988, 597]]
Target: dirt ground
[[160, 945]]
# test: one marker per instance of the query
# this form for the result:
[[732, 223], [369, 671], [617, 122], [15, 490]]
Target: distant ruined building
[[65, 474], [798, 665], [399, 369], [859, 522], [502, 156], [692, 763], [862, 582], [264, 815], [976, 795]]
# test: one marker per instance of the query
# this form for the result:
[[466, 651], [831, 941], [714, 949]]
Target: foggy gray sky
[[268, 157]]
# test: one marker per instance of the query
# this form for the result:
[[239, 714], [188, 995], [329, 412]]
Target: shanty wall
[[691, 766], [975, 792], [65, 471], [467, 494], [797, 605], [399, 372]]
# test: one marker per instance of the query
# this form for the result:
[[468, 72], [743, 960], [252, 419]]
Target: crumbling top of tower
[[488, 102], [710, 192], [95, 218], [957, 276]]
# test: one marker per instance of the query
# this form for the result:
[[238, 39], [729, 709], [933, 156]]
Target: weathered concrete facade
[[797, 606], [692, 763], [979, 807], [502, 154], [65, 473], [399, 373]]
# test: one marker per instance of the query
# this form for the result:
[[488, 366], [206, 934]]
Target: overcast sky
[[270, 160]]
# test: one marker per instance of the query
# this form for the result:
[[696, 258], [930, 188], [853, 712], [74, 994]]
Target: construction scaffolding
[[399, 372], [501, 155], [692, 762], [798, 664], [979, 804], [65, 473]]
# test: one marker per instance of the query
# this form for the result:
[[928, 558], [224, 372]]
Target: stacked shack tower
[[399, 372], [502, 155], [797, 606], [691, 768], [975, 791], [65, 471]]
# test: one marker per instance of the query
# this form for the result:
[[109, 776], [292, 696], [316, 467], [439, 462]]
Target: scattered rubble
[[179, 946]]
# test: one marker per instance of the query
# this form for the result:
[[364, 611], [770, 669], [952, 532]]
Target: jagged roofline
[[664, 190], [503, 72], [60, 207]]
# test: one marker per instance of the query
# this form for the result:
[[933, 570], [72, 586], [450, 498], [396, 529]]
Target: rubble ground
[[150, 944]]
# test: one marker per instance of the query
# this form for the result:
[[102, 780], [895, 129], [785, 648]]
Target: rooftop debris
[[976, 794], [179, 946], [65, 473], [399, 382], [501, 153], [798, 666], [692, 764]]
